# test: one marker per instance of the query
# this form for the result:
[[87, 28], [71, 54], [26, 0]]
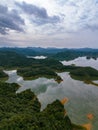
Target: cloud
[[38, 15], [66, 23], [10, 20], [79, 14]]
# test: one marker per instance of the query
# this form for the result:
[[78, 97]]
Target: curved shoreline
[[88, 126]]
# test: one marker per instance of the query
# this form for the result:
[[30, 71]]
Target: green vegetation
[[10, 59], [35, 68], [3, 76], [86, 74], [57, 53], [21, 111], [43, 68], [34, 73], [30, 68], [72, 54]]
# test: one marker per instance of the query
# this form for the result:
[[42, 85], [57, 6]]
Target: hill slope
[[22, 112]]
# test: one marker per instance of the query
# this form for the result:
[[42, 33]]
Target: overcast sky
[[49, 23]]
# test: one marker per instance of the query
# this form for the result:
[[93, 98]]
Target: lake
[[83, 98]]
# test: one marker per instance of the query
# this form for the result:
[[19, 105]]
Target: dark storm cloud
[[10, 20], [38, 15]]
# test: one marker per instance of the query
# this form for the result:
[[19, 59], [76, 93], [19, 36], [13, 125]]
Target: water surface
[[37, 57], [82, 61]]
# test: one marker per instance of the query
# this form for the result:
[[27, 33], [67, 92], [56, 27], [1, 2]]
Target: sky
[[49, 23]]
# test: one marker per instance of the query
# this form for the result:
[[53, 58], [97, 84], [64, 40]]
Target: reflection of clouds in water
[[37, 57], [95, 81], [51, 94], [82, 61], [38, 86], [13, 77], [10, 72], [19, 79]]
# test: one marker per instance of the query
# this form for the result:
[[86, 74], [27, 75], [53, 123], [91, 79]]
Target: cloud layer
[[49, 22], [10, 20], [38, 15]]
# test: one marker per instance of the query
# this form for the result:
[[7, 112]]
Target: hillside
[[57, 53], [21, 111], [73, 54]]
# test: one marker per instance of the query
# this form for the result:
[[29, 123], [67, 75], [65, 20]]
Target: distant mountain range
[[56, 53]]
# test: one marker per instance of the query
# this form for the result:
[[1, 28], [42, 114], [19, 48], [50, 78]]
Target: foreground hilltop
[[21, 111]]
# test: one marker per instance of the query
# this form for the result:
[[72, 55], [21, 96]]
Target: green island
[[85, 74], [21, 111]]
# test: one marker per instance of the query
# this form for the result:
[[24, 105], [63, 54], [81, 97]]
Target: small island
[[85, 74]]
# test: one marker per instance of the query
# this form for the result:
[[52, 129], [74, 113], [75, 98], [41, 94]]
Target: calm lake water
[[83, 98]]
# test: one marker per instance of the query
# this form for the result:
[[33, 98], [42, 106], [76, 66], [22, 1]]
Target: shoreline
[[64, 100], [88, 126]]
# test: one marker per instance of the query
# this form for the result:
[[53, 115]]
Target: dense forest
[[73, 54], [57, 53], [21, 111]]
